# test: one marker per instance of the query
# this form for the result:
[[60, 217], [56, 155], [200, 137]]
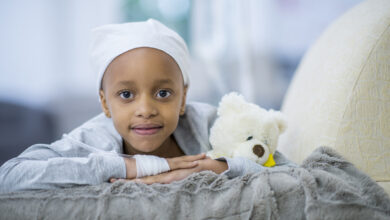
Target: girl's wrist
[[221, 167], [214, 165]]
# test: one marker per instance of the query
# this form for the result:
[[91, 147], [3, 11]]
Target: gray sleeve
[[42, 168], [64, 163], [240, 166]]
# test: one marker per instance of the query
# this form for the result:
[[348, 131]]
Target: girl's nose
[[145, 107]]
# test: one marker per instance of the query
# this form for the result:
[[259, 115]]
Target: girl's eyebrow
[[125, 83], [164, 81], [156, 82]]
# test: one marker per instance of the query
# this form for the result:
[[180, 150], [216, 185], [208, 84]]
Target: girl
[[146, 128]]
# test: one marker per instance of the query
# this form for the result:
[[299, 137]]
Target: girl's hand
[[213, 165], [174, 164], [179, 174], [176, 175], [168, 177], [184, 162]]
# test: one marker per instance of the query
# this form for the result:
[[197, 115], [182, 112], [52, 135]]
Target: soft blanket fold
[[325, 186]]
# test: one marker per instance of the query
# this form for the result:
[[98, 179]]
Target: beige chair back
[[340, 94]]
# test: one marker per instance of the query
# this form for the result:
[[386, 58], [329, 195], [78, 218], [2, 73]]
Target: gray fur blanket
[[325, 186]]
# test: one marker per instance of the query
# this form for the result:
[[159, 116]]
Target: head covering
[[110, 41]]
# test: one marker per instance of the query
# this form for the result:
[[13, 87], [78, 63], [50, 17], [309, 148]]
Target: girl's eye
[[126, 95], [163, 93]]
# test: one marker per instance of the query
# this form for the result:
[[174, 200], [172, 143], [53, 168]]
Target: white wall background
[[45, 47], [253, 46], [44, 60]]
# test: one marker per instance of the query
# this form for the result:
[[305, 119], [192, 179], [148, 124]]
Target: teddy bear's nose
[[258, 150]]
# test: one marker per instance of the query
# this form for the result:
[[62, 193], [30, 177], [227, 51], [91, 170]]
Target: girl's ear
[[183, 101], [103, 102]]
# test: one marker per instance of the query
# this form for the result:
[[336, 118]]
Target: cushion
[[324, 187], [340, 94]]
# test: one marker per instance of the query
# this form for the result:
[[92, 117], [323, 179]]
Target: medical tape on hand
[[149, 165]]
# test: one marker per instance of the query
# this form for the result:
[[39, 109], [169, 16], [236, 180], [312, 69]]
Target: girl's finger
[[185, 161], [184, 164], [146, 180], [160, 178], [113, 180], [190, 158], [174, 165]]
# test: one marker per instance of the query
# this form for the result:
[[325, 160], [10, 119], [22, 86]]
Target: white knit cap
[[110, 41]]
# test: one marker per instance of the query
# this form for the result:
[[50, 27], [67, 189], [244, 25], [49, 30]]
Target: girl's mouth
[[146, 129]]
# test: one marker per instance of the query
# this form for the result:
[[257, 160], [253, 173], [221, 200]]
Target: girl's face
[[144, 94]]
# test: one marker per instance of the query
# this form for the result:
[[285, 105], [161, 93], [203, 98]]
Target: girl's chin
[[145, 149], [143, 146]]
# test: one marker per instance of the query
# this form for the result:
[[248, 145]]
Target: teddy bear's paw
[[215, 155], [210, 154]]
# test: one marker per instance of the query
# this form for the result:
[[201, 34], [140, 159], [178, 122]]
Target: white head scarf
[[110, 41]]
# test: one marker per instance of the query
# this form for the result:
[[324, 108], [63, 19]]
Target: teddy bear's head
[[246, 130]]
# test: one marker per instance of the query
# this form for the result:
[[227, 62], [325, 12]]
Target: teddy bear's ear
[[280, 119], [231, 103]]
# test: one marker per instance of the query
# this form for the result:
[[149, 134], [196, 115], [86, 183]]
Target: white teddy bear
[[243, 129]]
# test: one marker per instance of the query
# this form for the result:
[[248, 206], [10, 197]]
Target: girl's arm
[[179, 174], [183, 162], [230, 167], [240, 166], [87, 156], [60, 164], [68, 162]]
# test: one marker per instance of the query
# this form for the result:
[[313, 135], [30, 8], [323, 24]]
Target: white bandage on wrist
[[149, 165]]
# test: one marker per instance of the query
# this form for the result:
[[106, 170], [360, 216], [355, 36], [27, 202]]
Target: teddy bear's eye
[[249, 138]]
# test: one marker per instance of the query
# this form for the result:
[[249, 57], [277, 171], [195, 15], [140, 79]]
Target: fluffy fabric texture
[[110, 41], [326, 186]]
